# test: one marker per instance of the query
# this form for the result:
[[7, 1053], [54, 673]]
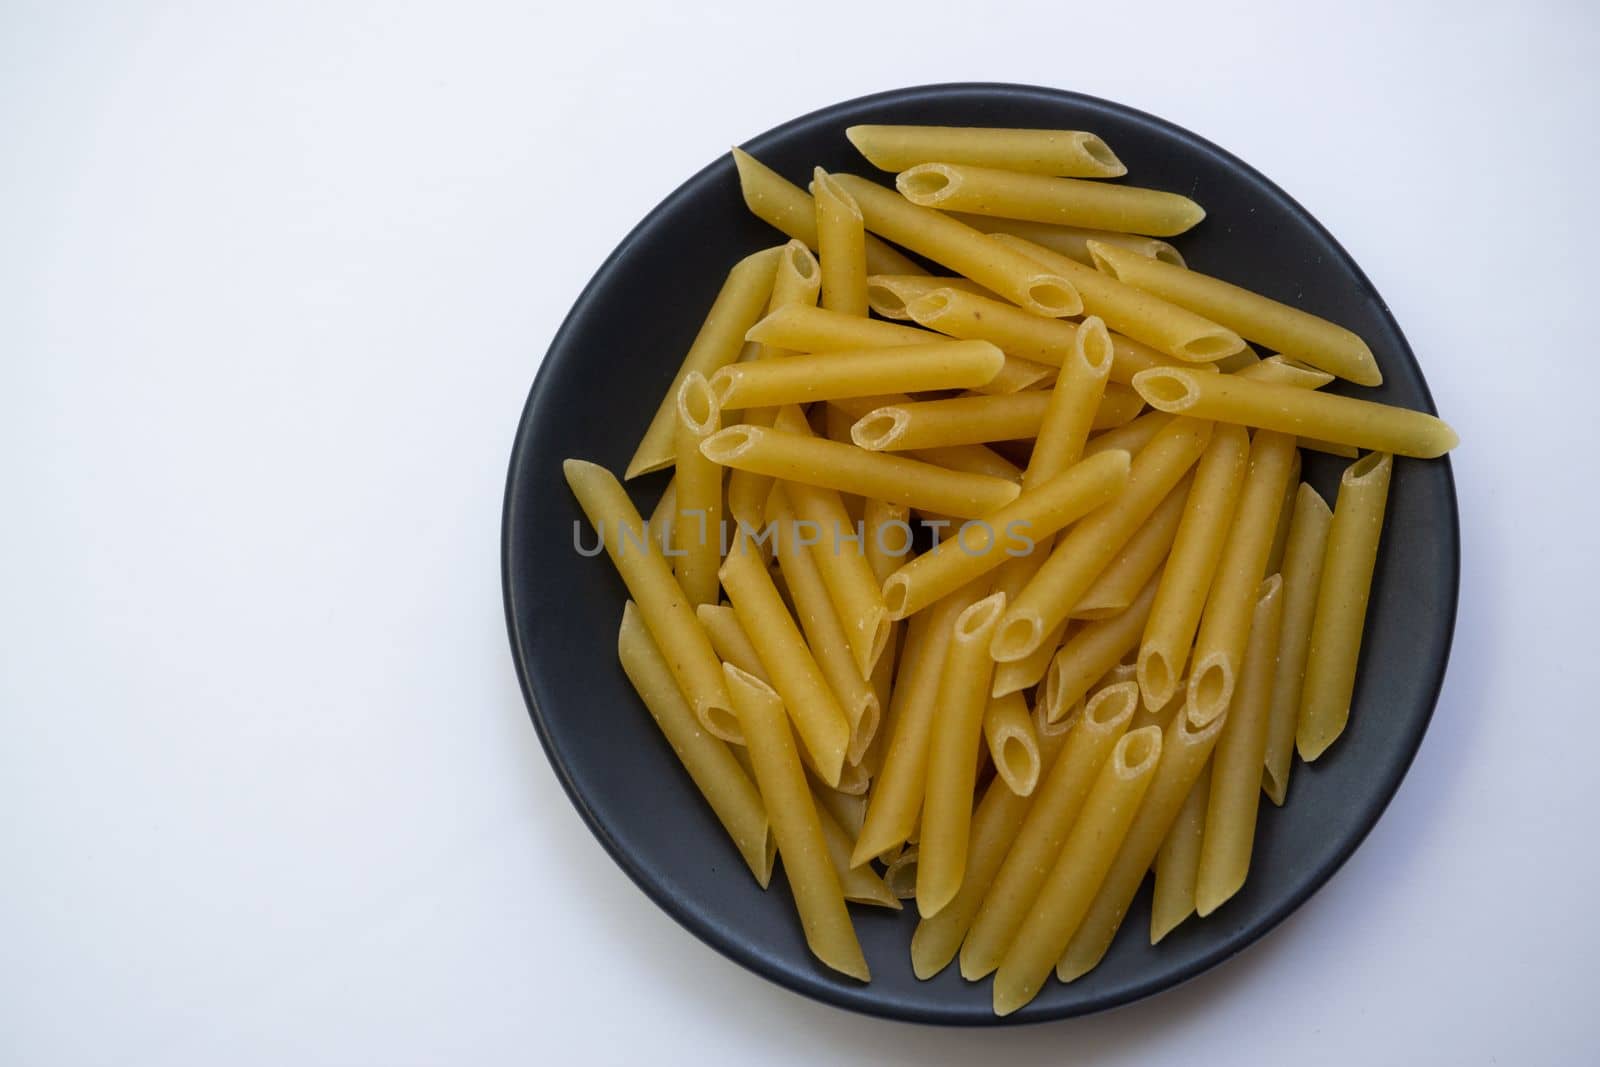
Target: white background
[[274, 279]]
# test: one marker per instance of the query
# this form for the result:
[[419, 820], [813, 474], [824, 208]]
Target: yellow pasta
[[1038, 198], [1280, 371], [1168, 328], [862, 372], [667, 613], [1081, 554], [1008, 532], [728, 790], [784, 205], [1075, 403], [877, 475], [847, 809], [739, 304], [1095, 649], [969, 420], [1302, 576], [859, 885], [1013, 743], [1057, 801], [1342, 596], [1280, 533], [1284, 329], [1185, 750], [814, 329], [697, 525], [1067, 153], [818, 718], [841, 246], [953, 746], [1075, 878], [888, 294], [1144, 554], [838, 548], [971, 459], [1192, 564], [897, 795], [1225, 624], [1178, 860], [729, 640], [962, 249], [1285, 409], [900, 873], [825, 633], [817, 894], [1236, 766], [1021, 334], [1130, 437], [1071, 241]]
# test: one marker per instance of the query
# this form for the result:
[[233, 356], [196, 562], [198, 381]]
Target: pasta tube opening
[[901, 874], [1156, 678], [1210, 689], [1137, 751], [1208, 347], [886, 300], [699, 404], [1362, 469], [1113, 703], [1017, 636], [977, 618], [1101, 153], [879, 430], [923, 184], [1055, 297], [729, 444], [1018, 765], [1166, 390]]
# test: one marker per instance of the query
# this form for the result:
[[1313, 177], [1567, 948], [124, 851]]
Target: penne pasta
[[1013, 675], [896, 797], [815, 461], [1038, 198], [821, 723], [1119, 584], [1075, 404], [1178, 859], [1013, 743], [888, 294], [1280, 371], [1130, 437], [858, 885], [1168, 328], [738, 305], [780, 203], [861, 372], [1058, 799], [817, 894], [971, 459], [970, 420], [847, 809], [729, 640], [1081, 554], [1038, 513], [848, 576], [1192, 564], [1287, 330], [726, 787], [1285, 409], [841, 246], [1072, 241], [1069, 153], [1225, 624], [953, 746], [1302, 576], [1086, 857], [1185, 750], [666, 612], [1235, 797], [1342, 595], [1095, 649], [962, 249], [1280, 531], [900, 874], [697, 529]]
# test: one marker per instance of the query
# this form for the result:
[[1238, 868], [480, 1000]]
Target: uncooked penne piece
[[1192, 564], [825, 633], [847, 809], [1086, 857], [1008, 532], [1285, 409], [1013, 743], [1280, 371], [970, 420], [1287, 330], [730, 792], [888, 294], [1095, 649], [1166, 327], [666, 612], [1013, 675], [1083, 552], [697, 525], [818, 719], [1280, 532], [1130, 437], [1066, 153], [841, 246], [972, 459], [1225, 625], [1178, 859], [900, 873], [1119, 584], [1039, 198], [953, 746], [728, 638], [1023, 335], [659, 524], [877, 475], [1071, 241], [1010, 578], [784, 205], [1302, 576], [915, 700], [1057, 801], [817, 894], [813, 329], [1075, 402], [1236, 766], [962, 249], [741, 301], [1185, 750], [861, 372], [859, 885], [1342, 595]]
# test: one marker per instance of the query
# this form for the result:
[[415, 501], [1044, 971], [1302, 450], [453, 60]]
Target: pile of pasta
[[1131, 612]]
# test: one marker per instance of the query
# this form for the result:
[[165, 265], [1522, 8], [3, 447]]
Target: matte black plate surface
[[596, 391]]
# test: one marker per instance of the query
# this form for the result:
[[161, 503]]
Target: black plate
[[596, 390]]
